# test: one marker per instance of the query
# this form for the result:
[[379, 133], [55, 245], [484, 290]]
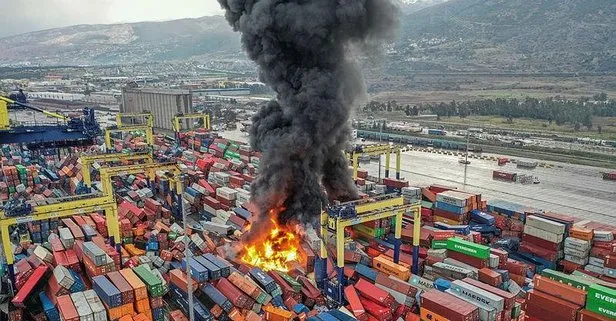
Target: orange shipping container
[[138, 286], [126, 318], [142, 305], [581, 233], [428, 315], [560, 290], [383, 264], [276, 314], [114, 313]]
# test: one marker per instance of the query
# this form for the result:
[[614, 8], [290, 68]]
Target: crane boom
[[28, 106]]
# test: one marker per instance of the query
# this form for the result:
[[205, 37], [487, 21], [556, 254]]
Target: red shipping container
[[355, 303], [128, 295], [375, 294], [490, 277], [67, 309], [585, 315], [26, 290], [379, 312], [563, 309], [516, 267], [470, 260], [540, 242], [539, 251], [448, 306]]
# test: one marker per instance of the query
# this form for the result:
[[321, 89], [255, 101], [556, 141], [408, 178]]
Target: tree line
[[553, 109]]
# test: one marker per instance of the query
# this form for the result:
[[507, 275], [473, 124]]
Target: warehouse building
[[162, 103]]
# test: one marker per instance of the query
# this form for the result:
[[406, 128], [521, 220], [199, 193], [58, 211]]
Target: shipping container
[[108, 293], [448, 306], [67, 310]]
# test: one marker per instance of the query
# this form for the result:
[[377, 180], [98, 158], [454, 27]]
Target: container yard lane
[[568, 189]]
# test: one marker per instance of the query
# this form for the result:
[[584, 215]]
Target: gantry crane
[[147, 116], [88, 159], [375, 150], [149, 134], [67, 132], [337, 217], [88, 203], [177, 122]]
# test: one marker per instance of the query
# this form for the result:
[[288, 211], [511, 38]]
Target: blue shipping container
[[106, 291]]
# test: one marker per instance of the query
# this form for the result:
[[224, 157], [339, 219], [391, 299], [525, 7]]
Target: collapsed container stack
[[144, 276]]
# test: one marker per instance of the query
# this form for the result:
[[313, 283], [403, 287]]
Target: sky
[[34, 15]]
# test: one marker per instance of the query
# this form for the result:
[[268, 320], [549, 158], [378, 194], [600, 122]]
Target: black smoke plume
[[302, 48]]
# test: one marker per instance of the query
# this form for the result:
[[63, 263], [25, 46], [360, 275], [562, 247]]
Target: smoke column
[[302, 48]]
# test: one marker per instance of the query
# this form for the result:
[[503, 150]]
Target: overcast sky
[[33, 15]]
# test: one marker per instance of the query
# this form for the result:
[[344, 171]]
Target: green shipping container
[[439, 244], [153, 284], [602, 300], [292, 282], [367, 230], [469, 248], [571, 280]]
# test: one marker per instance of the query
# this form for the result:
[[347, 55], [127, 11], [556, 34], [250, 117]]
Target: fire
[[274, 252]]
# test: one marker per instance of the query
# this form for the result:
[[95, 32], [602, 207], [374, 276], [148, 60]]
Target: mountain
[[511, 35], [436, 35], [122, 43]]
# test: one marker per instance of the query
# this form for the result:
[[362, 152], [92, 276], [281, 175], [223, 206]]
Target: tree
[[588, 121], [599, 129], [600, 97], [576, 127]]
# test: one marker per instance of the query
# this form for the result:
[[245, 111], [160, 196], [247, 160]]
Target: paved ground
[[569, 189]]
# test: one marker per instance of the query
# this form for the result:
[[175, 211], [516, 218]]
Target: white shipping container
[[545, 224], [223, 214], [609, 272], [209, 209], [453, 200], [43, 254], [543, 234], [96, 305], [603, 236], [199, 188], [63, 277], [581, 245], [594, 269], [474, 270], [486, 313], [575, 252], [474, 293], [82, 306], [226, 192], [576, 259], [66, 237], [439, 254], [596, 261], [213, 227], [493, 261]]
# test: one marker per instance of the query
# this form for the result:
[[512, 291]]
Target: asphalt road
[[569, 189]]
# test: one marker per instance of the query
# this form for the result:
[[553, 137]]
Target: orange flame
[[274, 252]]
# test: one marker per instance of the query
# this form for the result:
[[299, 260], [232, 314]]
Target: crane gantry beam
[[177, 122], [88, 159], [370, 150], [149, 134]]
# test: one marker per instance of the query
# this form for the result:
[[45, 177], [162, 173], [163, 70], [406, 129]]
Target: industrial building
[[162, 103]]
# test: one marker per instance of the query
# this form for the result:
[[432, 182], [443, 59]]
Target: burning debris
[[276, 251], [301, 48]]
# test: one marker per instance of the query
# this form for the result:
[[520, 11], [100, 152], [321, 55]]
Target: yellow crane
[[85, 204], [149, 134], [339, 216], [88, 159], [147, 116], [177, 122], [370, 150]]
